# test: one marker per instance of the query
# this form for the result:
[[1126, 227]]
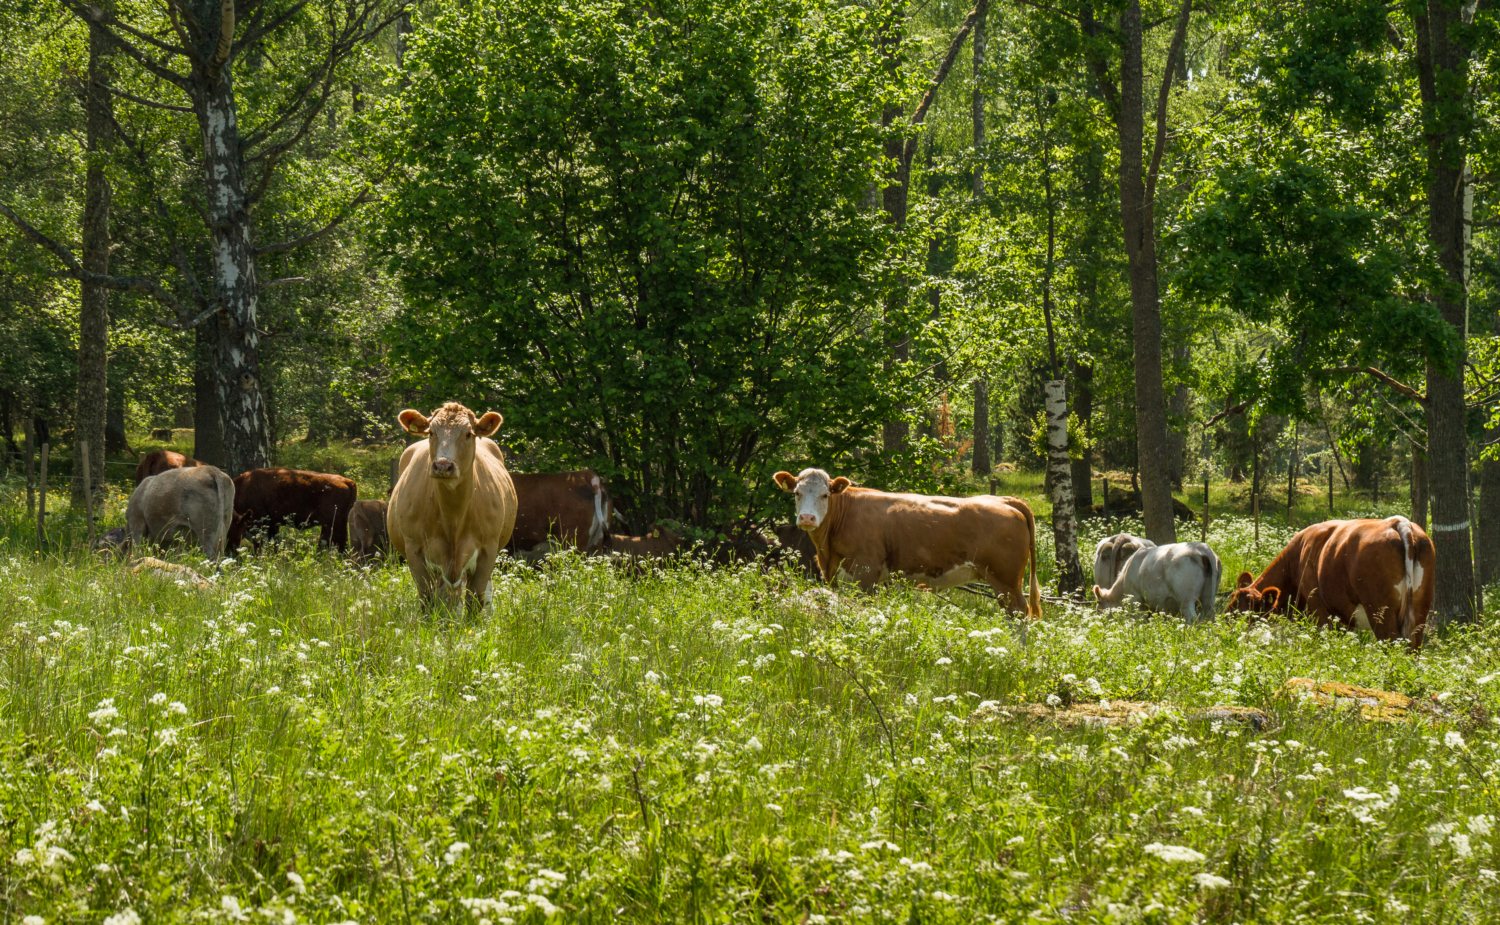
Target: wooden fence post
[[1255, 502], [41, 497], [82, 447]]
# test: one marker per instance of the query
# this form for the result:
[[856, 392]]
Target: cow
[[454, 506], [572, 506], [158, 461], [367, 532], [1375, 575], [1111, 554], [941, 542], [1175, 578], [664, 542], [796, 542], [116, 542], [271, 497], [198, 500]]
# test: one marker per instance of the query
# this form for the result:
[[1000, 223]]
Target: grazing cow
[[571, 506], [795, 542], [271, 497], [1111, 554], [1366, 574], [1175, 578], [158, 461], [199, 501], [941, 542], [658, 546], [115, 542], [367, 532], [454, 505]]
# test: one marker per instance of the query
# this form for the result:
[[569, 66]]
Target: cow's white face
[[812, 489], [451, 433]]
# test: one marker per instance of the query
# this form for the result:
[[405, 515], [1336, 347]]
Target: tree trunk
[[1140, 250], [1064, 519], [1419, 487], [1442, 67], [93, 308], [114, 422], [237, 376], [1487, 537], [1082, 375], [981, 427], [980, 40], [208, 431]]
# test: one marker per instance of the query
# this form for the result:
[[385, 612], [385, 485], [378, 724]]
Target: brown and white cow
[[367, 533], [1366, 574], [941, 542], [573, 507], [158, 461], [197, 500], [454, 505], [269, 498]]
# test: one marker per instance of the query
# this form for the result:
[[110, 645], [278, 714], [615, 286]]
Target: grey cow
[[198, 501], [1112, 553]]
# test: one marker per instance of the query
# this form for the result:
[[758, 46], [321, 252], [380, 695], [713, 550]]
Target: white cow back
[[1179, 578]]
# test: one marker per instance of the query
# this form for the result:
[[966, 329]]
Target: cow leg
[[480, 591]]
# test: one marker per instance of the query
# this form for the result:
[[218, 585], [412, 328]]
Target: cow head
[[813, 488], [1246, 599], [450, 433]]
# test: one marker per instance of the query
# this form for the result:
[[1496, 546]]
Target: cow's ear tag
[[786, 480], [838, 485], [487, 424], [415, 422]]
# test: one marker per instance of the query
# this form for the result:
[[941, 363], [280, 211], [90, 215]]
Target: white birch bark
[[1060, 470]]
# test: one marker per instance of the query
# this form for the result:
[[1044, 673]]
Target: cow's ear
[[838, 485], [487, 424], [415, 422], [786, 480], [1270, 598], [1246, 579]]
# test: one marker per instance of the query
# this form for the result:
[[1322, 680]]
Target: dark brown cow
[[271, 497], [1366, 574], [367, 533], [940, 542], [662, 543], [572, 506], [158, 461]]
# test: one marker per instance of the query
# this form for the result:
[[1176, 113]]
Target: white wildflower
[[124, 917], [1053, 700], [295, 879], [231, 907], [945, 660], [1454, 739], [754, 744], [1459, 842], [454, 852], [1212, 881], [1480, 825], [177, 707], [106, 711], [157, 699], [712, 701], [1175, 854]]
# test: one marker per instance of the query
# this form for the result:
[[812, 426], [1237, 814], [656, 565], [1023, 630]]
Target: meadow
[[301, 743]]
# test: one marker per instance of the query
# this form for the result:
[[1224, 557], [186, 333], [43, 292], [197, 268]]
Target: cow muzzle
[[807, 521], [444, 469]]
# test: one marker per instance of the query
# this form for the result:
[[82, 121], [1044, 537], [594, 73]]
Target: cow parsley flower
[[454, 852], [1175, 854], [33, 920], [1212, 881], [1454, 739], [123, 917], [1480, 825], [157, 699], [712, 701], [1053, 700], [106, 711]]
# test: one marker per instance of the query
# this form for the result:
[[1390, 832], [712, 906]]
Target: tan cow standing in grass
[[940, 542], [453, 507]]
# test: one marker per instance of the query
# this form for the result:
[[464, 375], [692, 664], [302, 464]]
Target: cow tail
[[1210, 586], [1034, 603], [1409, 586], [226, 503]]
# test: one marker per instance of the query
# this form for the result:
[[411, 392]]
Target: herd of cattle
[[454, 507]]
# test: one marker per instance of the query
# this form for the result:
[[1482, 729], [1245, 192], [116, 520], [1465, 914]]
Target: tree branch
[[76, 271], [284, 281], [96, 16], [143, 101], [359, 200], [1227, 412], [920, 115], [226, 38], [1399, 386], [1178, 37]]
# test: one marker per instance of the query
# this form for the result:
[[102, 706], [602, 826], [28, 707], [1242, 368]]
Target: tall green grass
[[303, 743]]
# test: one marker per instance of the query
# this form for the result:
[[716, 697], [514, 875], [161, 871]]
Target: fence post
[[82, 447], [30, 471], [1255, 502], [41, 497]]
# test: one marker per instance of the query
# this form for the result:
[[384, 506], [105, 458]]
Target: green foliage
[[1289, 245], [637, 231], [1325, 55]]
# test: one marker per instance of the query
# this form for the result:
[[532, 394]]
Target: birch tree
[[182, 58]]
